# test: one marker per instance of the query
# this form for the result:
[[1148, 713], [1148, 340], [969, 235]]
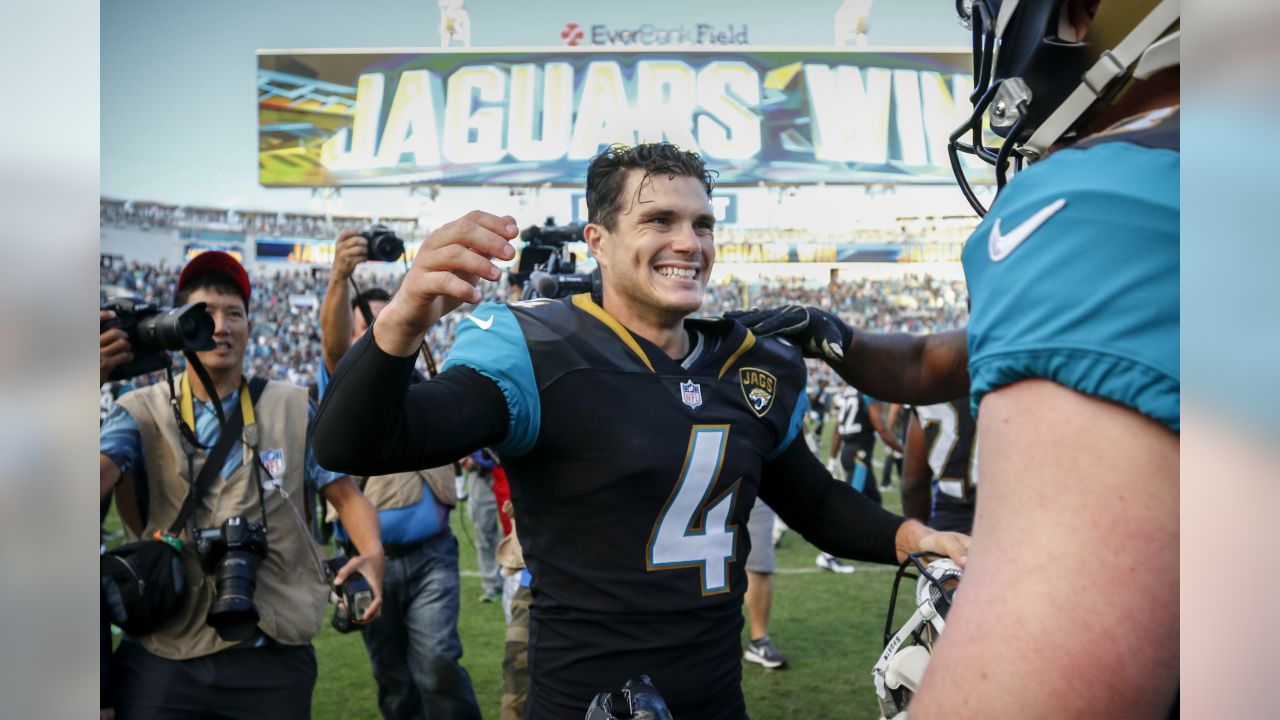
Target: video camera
[[547, 269], [155, 331]]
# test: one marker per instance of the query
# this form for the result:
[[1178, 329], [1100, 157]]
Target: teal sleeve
[[1089, 298], [490, 341]]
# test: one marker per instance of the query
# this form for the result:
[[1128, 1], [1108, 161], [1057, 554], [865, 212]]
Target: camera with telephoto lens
[[231, 554], [384, 246], [547, 269], [153, 332], [356, 595]]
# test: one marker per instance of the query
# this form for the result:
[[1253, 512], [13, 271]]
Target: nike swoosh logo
[[482, 324], [1000, 245]]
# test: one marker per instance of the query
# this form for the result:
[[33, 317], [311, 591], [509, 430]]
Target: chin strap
[[1140, 47]]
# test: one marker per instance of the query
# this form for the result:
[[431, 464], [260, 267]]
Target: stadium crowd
[[285, 336]]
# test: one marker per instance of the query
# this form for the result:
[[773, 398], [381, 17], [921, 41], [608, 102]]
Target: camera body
[[547, 268], [154, 331], [231, 554], [384, 245], [356, 594]]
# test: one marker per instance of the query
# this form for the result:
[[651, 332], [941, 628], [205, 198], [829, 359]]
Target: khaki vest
[[291, 595], [391, 492]]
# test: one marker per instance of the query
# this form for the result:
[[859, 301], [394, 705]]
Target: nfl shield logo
[[273, 461], [691, 394]]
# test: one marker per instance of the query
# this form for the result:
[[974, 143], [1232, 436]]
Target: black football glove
[[817, 333]]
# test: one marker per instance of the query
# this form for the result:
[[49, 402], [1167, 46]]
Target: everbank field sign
[[536, 117], [648, 34]]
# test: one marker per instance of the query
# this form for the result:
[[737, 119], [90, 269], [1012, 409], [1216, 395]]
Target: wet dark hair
[[607, 175], [373, 294], [221, 282]]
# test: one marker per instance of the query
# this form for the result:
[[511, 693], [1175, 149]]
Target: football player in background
[[940, 471], [1074, 362], [635, 440], [860, 420]]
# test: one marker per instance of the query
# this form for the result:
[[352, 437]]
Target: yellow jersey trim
[[747, 343], [585, 302]]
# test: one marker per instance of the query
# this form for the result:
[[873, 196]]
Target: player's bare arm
[[916, 473], [1091, 523], [900, 367], [444, 274], [881, 425]]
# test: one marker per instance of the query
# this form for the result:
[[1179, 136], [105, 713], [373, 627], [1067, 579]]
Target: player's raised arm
[[443, 276], [372, 421], [898, 367]]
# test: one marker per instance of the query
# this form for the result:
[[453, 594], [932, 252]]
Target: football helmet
[[1036, 80], [901, 667]]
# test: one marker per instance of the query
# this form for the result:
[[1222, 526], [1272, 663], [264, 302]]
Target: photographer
[[414, 646], [239, 642]]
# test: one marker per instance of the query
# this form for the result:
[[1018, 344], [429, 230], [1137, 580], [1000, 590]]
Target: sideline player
[[635, 440], [940, 468]]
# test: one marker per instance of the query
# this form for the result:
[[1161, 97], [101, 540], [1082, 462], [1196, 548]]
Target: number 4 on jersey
[[693, 529]]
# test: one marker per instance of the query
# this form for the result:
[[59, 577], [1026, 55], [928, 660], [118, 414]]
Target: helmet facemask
[[1037, 79]]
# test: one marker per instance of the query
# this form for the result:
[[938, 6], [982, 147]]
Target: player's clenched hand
[[817, 333], [444, 274]]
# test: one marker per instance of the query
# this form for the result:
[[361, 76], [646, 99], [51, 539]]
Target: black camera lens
[[232, 613], [231, 554], [189, 327], [384, 246]]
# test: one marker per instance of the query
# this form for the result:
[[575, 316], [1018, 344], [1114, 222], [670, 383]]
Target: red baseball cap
[[216, 261]]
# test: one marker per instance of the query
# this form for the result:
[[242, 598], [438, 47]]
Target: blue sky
[[179, 120]]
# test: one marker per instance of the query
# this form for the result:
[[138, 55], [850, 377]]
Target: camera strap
[[195, 365], [229, 434]]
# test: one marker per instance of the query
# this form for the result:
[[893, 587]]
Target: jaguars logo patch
[[759, 388]]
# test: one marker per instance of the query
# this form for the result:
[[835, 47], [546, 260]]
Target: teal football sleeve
[[490, 341], [1073, 278]]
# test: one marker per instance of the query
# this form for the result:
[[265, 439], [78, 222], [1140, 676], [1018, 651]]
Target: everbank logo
[[572, 34], [649, 34]]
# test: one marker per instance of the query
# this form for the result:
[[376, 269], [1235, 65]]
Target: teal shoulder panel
[[490, 341]]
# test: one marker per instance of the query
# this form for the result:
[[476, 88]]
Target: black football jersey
[[951, 438], [854, 419], [632, 476]]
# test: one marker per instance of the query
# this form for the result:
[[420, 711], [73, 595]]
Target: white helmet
[[901, 667]]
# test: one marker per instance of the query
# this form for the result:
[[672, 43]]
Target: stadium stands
[[285, 339]]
